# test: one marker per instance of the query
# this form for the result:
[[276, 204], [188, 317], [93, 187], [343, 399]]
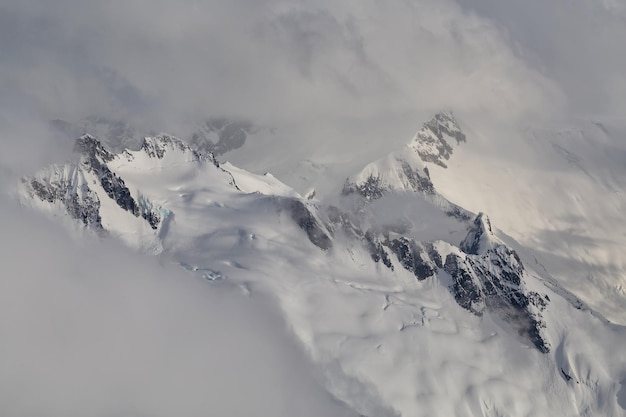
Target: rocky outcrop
[[486, 275], [69, 189], [399, 171], [94, 159], [432, 142], [306, 220], [71, 186], [414, 257], [157, 147]]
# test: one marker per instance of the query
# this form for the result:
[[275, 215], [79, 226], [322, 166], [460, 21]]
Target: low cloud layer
[[379, 66], [92, 330], [89, 329]]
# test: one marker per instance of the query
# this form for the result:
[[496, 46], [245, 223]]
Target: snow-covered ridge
[[405, 169], [121, 194], [398, 171], [409, 303]]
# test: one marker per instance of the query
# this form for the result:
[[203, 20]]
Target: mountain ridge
[[440, 271]]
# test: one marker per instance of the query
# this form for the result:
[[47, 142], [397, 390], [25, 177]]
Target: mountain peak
[[480, 237], [431, 142], [157, 146], [90, 147]]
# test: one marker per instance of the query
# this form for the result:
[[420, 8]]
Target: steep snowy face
[[486, 275], [405, 170], [80, 187], [410, 304], [91, 189], [559, 191], [401, 170], [126, 194]]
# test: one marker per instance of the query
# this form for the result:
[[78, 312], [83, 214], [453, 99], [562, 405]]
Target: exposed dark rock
[[413, 257], [374, 187], [444, 123], [457, 212], [157, 146], [485, 278], [430, 142], [479, 233], [85, 209], [418, 182], [566, 376], [433, 254], [91, 148], [494, 280], [303, 217], [465, 287], [371, 189], [69, 188], [377, 250]]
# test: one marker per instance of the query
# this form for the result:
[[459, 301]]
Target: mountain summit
[[405, 300]]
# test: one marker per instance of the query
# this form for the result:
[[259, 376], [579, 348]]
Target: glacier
[[408, 302]]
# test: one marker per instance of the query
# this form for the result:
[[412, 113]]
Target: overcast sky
[[362, 69], [379, 65]]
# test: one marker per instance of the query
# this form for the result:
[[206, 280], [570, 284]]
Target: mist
[[92, 329], [338, 74]]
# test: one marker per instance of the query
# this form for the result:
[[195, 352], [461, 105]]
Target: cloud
[[278, 61], [90, 329], [574, 43]]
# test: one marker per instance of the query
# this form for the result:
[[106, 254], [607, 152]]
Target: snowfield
[[408, 302]]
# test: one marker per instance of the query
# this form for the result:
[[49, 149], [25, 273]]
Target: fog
[[340, 72], [90, 329]]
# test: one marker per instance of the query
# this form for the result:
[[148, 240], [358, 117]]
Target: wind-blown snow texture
[[410, 304]]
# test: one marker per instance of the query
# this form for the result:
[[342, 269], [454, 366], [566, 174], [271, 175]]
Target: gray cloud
[[279, 62], [577, 44], [89, 329]]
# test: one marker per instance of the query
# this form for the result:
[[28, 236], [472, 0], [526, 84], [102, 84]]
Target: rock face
[[405, 170], [94, 159], [484, 276], [432, 142], [398, 171], [304, 218], [487, 276], [157, 147], [68, 188], [80, 187]]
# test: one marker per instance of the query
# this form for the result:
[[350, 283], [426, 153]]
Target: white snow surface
[[560, 192], [386, 343]]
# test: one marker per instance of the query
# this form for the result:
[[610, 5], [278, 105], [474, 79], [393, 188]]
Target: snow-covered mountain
[[409, 303], [558, 191]]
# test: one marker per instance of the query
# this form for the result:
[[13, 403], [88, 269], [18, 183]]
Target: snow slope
[[561, 192], [408, 309]]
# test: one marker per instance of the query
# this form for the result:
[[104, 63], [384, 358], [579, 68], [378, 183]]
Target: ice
[[384, 342]]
